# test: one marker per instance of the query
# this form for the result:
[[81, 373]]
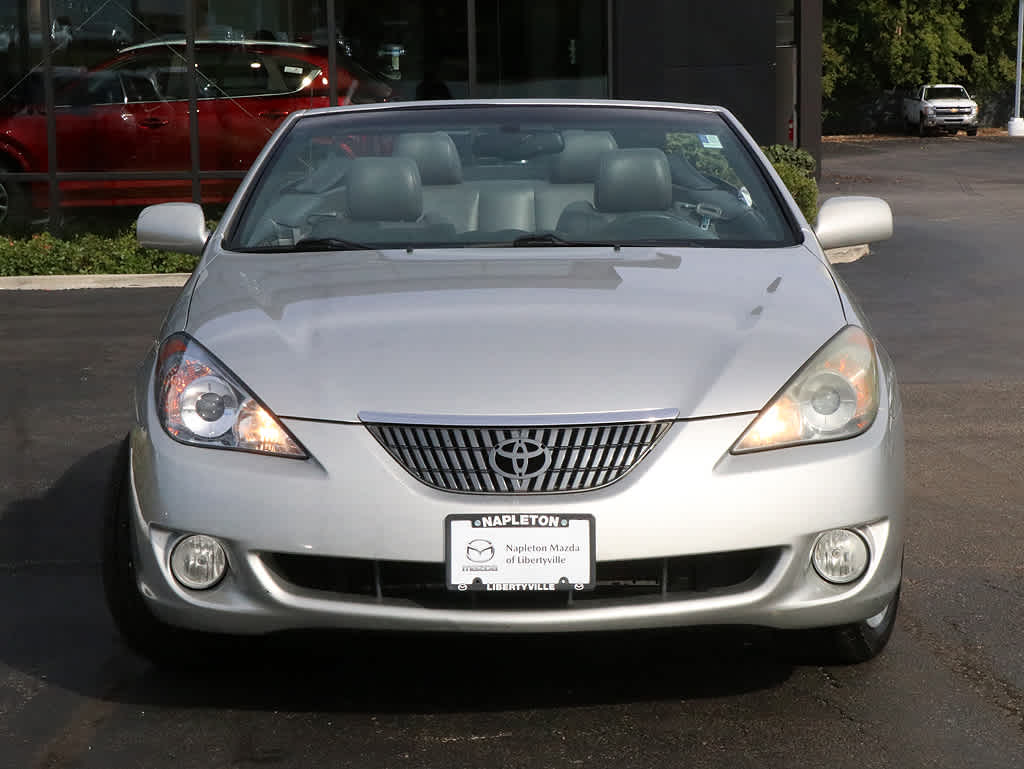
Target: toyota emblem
[[520, 459]]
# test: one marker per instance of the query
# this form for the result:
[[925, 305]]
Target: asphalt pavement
[[944, 296]]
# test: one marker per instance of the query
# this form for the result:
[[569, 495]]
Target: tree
[[874, 45]]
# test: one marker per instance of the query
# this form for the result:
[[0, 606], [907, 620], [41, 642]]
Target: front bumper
[[951, 121], [352, 501]]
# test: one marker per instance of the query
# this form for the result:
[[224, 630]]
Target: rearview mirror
[[512, 143], [177, 227], [853, 220]]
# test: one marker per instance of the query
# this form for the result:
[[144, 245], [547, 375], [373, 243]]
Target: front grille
[[519, 460], [617, 582]]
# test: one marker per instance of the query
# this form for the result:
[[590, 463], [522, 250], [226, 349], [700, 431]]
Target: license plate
[[509, 552]]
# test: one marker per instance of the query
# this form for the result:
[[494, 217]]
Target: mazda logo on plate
[[479, 551], [520, 459]]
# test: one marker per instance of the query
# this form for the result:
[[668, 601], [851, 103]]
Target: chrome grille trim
[[460, 458], [553, 420]]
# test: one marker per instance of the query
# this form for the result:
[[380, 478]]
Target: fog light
[[840, 556], [198, 562]]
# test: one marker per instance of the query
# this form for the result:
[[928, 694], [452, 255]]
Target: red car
[[130, 114]]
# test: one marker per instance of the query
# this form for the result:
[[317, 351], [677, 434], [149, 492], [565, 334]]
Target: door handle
[[272, 115], [153, 122]]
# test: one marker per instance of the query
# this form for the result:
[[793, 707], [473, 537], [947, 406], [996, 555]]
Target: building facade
[[99, 106]]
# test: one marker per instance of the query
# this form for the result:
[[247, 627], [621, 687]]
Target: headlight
[[928, 109], [200, 402], [834, 396]]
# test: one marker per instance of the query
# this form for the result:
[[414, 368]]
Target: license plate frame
[[528, 552]]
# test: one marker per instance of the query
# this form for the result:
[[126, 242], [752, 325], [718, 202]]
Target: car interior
[[573, 185]]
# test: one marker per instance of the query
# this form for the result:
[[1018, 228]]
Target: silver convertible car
[[511, 367]]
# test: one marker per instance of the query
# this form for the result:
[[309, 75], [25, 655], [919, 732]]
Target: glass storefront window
[[137, 118], [544, 50], [420, 46]]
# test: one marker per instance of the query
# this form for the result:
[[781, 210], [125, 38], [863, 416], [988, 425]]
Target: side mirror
[[177, 227], [852, 221]]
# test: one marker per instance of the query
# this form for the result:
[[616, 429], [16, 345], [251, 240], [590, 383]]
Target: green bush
[[88, 253], [796, 168], [803, 189], [790, 155]]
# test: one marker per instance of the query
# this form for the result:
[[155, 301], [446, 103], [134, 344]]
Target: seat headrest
[[384, 189], [633, 180], [434, 153], [580, 158]]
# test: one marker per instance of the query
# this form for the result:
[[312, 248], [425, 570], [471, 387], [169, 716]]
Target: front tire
[[164, 645], [845, 644], [922, 130], [15, 212], [861, 641], [972, 131]]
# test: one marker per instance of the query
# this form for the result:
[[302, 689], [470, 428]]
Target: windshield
[[510, 175], [946, 92]]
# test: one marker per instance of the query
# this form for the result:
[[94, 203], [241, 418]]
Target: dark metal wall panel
[[637, 49], [729, 33], [809, 26], [748, 91], [683, 50]]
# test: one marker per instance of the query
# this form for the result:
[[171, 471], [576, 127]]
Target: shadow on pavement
[[50, 582], [425, 673]]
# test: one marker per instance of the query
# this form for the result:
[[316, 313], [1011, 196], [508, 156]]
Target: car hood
[[950, 102], [515, 332]]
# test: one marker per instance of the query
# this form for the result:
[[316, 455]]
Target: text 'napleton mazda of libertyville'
[[511, 367]]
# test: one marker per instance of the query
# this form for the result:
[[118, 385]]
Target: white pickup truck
[[940, 108]]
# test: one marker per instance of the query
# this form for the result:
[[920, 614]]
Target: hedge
[[796, 168], [87, 253]]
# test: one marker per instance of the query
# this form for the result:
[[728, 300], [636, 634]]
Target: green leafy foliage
[[803, 189], [794, 156], [796, 168], [88, 253], [870, 46], [710, 162]]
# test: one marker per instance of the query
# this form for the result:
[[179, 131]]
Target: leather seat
[[382, 189], [445, 195], [633, 180], [633, 198], [496, 205], [573, 175], [385, 195]]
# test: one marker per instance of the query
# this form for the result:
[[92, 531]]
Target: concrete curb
[[71, 282]]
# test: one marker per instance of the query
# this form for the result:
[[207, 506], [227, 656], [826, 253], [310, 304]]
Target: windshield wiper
[[306, 244], [329, 244], [551, 239]]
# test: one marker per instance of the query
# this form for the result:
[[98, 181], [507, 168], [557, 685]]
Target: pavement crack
[[968, 188], [1004, 590], [830, 679], [466, 738], [964, 661]]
